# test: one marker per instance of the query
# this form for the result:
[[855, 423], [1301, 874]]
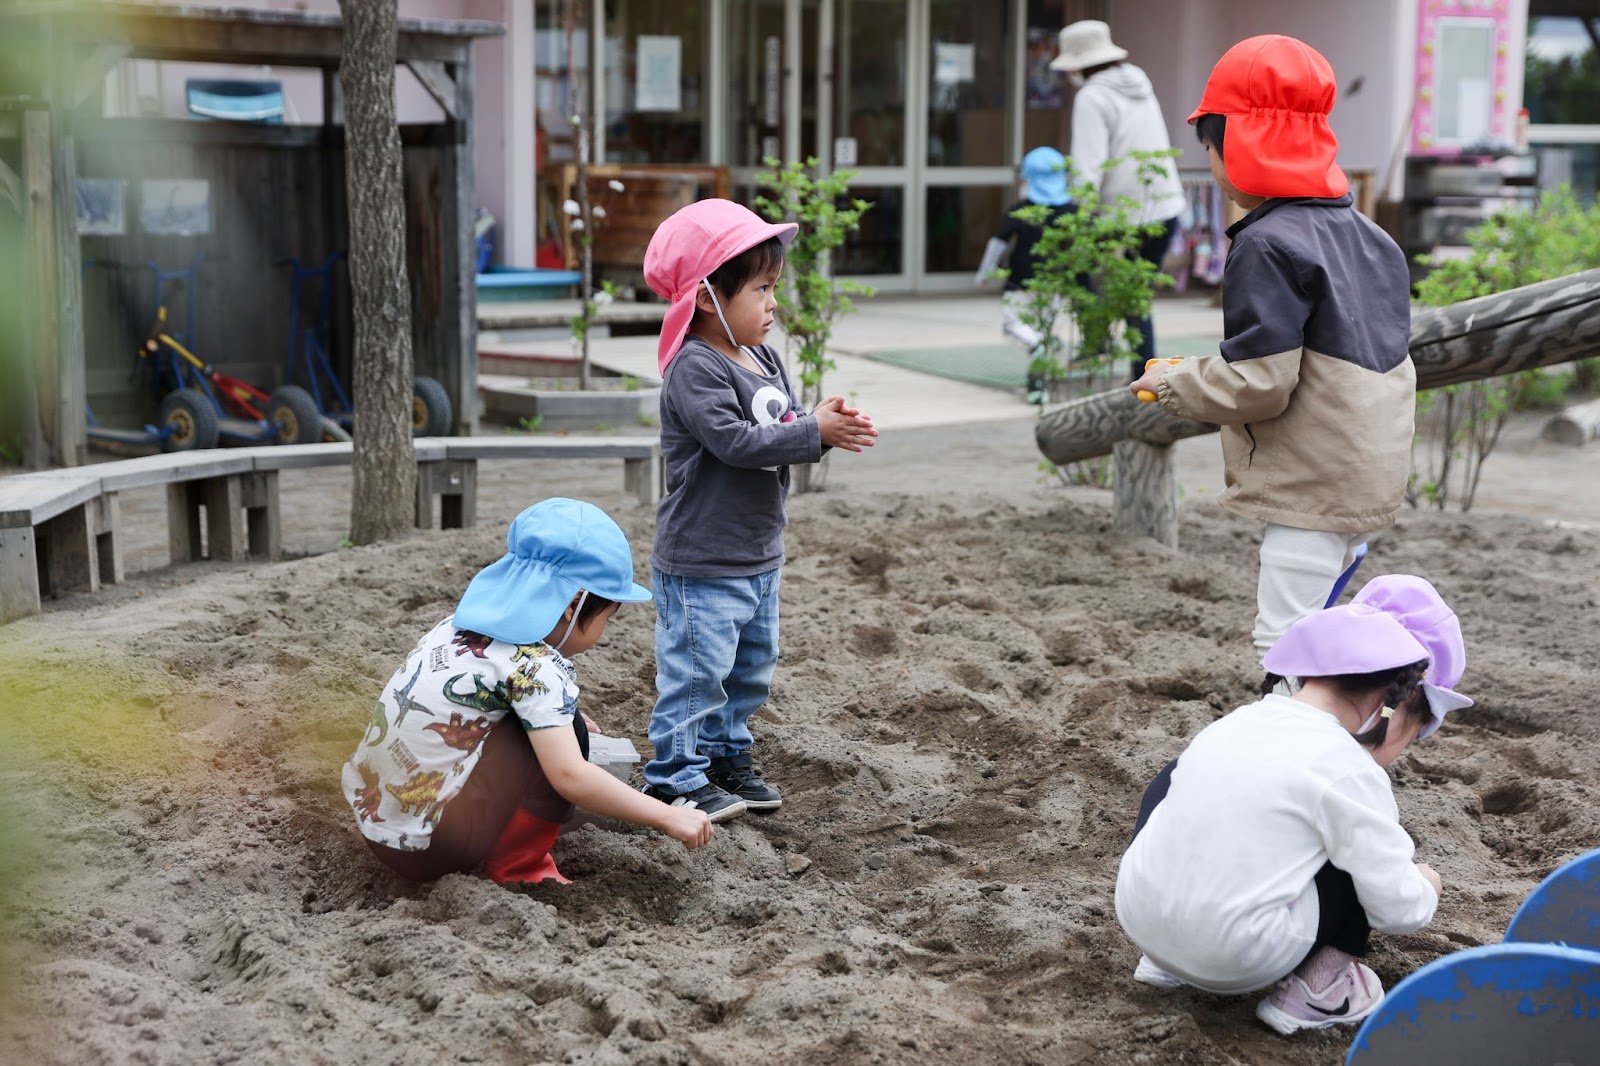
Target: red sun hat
[[688, 248], [1276, 93]]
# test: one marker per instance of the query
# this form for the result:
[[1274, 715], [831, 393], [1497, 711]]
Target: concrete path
[[896, 397]]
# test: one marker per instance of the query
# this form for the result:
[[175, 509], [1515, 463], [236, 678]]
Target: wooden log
[[1551, 322], [1145, 491], [1577, 425]]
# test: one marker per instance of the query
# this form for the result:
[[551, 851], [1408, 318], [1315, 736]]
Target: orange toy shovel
[[1145, 395]]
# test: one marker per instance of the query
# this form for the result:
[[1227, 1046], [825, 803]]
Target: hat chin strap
[[718, 305], [583, 594]]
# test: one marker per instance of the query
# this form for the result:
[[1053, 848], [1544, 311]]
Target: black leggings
[[1341, 922]]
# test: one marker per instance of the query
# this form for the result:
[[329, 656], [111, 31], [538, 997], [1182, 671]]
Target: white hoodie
[[1116, 113]]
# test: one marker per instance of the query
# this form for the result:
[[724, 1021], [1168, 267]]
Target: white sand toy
[[615, 755]]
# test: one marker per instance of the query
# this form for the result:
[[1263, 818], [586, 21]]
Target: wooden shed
[[160, 193]]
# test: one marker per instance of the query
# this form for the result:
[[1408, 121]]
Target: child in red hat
[[1315, 391], [731, 426]]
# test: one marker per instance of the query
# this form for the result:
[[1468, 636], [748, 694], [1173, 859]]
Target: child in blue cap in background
[[1044, 183], [476, 752]]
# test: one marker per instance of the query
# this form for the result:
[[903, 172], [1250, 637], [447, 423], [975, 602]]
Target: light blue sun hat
[[1044, 169], [554, 549]]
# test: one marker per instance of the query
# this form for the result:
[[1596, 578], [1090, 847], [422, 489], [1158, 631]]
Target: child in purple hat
[[1267, 852]]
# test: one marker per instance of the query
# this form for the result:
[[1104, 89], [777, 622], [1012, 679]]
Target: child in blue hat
[[1044, 182], [476, 752]]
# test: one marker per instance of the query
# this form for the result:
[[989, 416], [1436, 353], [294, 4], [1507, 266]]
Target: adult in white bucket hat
[[1114, 114]]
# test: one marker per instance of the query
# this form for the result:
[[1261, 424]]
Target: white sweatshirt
[[1217, 887], [1113, 114]]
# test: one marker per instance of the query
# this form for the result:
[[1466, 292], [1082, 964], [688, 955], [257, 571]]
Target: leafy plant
[[531, 424], [1087, 267], [1462, 423], [810, 299]]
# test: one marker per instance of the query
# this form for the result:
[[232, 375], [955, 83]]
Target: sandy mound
[[973, 694]]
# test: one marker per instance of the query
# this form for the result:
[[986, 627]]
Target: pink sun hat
[[688, 247]]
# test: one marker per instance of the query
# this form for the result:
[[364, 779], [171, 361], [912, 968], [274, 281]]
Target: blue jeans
[[716, 648]]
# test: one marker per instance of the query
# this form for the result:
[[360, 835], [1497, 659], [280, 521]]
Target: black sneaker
[[718, 804], [735, 774]]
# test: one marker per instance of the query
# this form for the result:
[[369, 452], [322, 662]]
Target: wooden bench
[[453, 477], [58, 529], [57, 535]]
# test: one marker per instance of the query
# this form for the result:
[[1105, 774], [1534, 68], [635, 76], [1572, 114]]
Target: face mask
[[1075, 79]]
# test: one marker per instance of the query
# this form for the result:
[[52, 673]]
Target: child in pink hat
[[731, 426], [1266, 853]]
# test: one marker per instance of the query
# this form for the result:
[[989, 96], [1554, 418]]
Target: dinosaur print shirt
[[430, 721]]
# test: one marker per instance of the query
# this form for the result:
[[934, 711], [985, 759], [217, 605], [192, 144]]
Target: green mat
[[1005, 366]]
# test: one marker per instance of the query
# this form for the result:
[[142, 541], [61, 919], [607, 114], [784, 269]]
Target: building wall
[[1178, 41]]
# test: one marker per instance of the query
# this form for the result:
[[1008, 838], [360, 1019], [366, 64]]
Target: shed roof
[[192, 33]]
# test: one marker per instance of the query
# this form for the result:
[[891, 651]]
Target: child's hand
[[1154, 371], [1433, 878], [842, 426], [687, 825], [589, 723]]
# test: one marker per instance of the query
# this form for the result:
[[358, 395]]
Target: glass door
[[968, 150], [874, 134]]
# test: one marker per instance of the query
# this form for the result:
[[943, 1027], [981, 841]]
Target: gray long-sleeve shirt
[[728, 437]]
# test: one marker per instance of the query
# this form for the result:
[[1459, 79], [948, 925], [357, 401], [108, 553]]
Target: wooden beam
[[440, 85], [1543, 324], [91, 72], [11, 187], [250, 37]]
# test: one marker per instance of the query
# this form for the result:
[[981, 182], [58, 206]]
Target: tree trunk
[[385, 470]]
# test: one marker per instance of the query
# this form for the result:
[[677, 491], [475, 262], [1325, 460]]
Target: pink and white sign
[[1462, 69]]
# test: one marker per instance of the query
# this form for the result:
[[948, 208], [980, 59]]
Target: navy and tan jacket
[[1315, 390]]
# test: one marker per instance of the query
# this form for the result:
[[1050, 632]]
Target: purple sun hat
[[1350, 639], [1417, 605]]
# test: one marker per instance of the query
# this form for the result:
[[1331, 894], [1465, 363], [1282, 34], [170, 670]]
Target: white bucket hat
[[1086, 44]]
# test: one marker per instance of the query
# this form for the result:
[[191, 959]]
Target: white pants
[[1013, 306], [1298, 569]]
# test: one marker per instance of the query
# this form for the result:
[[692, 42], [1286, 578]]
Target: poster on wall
[[659, 81], [1462, 63], [101, 212], [175, 207]]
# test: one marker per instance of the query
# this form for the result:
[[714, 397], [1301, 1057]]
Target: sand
[[978, 679]]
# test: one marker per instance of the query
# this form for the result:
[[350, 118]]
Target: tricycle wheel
[[190, 420], [294, 416], [430, 409]]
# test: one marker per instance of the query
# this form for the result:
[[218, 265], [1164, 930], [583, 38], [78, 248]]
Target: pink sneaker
[[1292, 1006]]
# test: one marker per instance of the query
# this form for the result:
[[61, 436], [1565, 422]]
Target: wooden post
[[459, 368], [19, 574], [40, 233], [1145, 491], [258, 493]]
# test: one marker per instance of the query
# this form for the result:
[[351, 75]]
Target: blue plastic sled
[[1489, 1006], [1564, 909]]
